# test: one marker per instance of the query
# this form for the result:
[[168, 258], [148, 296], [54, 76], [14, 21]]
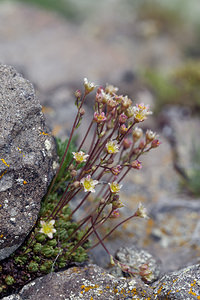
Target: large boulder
[[27, 153], [90, 282]]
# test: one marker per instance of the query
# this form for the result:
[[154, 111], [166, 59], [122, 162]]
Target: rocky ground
[[111, 43]]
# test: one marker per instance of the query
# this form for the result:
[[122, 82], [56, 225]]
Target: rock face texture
[[27, 152], [90, 282], [179, 285]]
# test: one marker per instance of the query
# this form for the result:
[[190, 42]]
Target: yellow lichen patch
[[87, 288], [1, 236], [160, 289], [25, 182], [44, 133], [193, 284], [3, 174], [5, 163], [190, 291]]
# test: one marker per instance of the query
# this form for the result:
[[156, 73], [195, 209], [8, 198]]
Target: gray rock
[[183, 131], [182, 284], [90, 282], [27, 152], [136, 259]]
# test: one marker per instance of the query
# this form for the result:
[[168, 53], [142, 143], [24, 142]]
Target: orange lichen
[[191, 292], [3, 174], [87, 288], [160, 289], [1, 236], [44, 133], [25, 182]]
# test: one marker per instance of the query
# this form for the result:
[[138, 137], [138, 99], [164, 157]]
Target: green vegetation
[[191, 180], [179, 88], [63, 7]]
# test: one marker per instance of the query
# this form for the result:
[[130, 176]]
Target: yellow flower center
[[47, 228], [87, 184], [79, 157]]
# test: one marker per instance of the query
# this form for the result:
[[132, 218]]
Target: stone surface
[[135, 259], [179, 285], [182, 130], [27, 152], [90, 282]]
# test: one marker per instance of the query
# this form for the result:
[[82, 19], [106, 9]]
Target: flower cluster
[[115, 149]]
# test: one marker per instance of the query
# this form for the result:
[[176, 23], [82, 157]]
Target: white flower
[[89, 184], [80, 156], [141, 112], [115, 187], [47, 228], [89, 86], [111, 89], [141, 211], [112, 147]]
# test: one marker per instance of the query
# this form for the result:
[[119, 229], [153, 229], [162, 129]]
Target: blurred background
[[150, 49]]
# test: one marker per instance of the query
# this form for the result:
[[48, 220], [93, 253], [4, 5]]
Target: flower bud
[[73, 173], [150, 136], [102, 134], [127, 143], [82, 111], [122, 118], [136, 164], [76, 184], [137, 134], [155, 143], [102, 201], [123, 129], [77, 94], [71, 167], [141, 145]]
